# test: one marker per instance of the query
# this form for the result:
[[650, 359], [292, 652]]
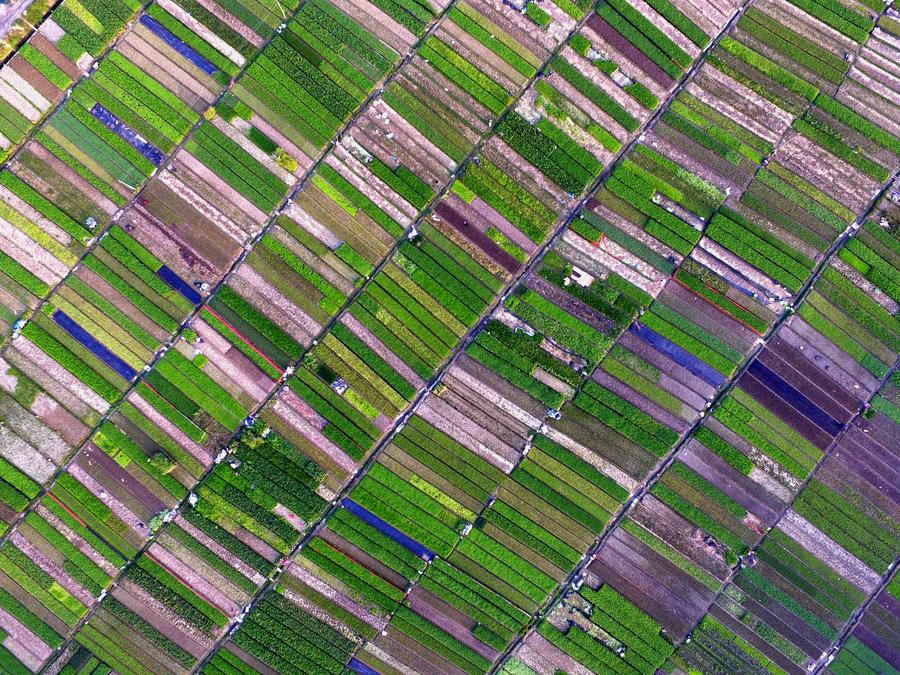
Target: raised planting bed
[[57, 54], [597, 630], [278, 634]]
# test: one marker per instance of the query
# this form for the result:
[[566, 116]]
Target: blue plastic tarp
[[361, 668], [168, 275], [178, 45], [793, 396], [93, 345], [131, 137], [387, 529], [679, 355], [746, 291]]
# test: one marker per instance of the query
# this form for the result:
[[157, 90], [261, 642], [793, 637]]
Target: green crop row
[[625, 418]]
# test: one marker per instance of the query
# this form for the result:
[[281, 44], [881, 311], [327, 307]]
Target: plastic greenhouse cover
[[122, 130], [403, 539], [793, 396], [361, 668], [168, 275], [97, 348], [680, 356], [178, 45]]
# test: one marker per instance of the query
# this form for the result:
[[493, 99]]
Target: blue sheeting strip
[[122, 130], [386, 528], [178, 45], [681, 356], [96, 347], [361, 668], [793, 396], [168, 275], [742, 289]]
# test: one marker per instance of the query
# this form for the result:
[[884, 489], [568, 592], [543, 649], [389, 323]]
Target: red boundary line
[[67, 509], [719, 307], [244, 339]]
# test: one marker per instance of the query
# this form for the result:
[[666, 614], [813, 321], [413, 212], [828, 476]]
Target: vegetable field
[[450, 336]]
